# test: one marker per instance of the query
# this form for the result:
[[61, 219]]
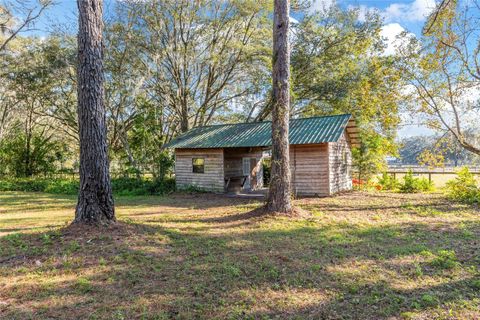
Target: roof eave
[[353, 132]]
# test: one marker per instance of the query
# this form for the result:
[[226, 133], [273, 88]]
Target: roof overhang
[[353, 132]]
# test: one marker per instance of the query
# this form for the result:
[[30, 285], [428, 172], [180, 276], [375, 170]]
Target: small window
[[198, 165]]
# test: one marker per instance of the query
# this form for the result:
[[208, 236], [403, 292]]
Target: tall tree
[[201, 54], [338, 65], [443, 71], [95, 200], [279, 199]]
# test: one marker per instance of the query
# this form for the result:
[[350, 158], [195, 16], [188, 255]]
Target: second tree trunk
[[279, 197]]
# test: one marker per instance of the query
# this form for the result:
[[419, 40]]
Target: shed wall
[[309, 169], [340, 163], [213, 177]]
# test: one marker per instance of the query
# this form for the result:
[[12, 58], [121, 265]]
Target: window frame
[[196, 168]]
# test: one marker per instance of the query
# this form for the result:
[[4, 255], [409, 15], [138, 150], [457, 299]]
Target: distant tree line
[[436, 151]]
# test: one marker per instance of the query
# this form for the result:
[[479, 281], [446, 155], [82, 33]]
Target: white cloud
[[415, 11], [390, 33], [418, 10]]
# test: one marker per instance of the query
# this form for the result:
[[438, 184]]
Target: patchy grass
[[359, 256]]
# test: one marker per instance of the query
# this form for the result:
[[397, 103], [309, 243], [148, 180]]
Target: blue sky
[[408, 14], [398, 15]]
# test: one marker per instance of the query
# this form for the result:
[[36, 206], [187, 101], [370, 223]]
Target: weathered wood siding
[[340, 163], [213, 177], [309, 169]]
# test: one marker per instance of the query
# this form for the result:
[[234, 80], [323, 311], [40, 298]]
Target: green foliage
[[369, 158], [135, 187], [464, 187], [412, 185], [333, 71], [26, 184], [445, 259], [388, 182], [145, 139], [62, 186], [24, 155], [120, 186], [423, 184]]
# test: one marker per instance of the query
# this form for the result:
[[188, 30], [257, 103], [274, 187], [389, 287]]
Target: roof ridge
[[231, 124], [268, 121]]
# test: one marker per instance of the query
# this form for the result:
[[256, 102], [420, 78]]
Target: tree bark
[[279, 199], [95, 201]]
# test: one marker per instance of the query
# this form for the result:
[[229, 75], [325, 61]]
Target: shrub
[[387, 182], [413, 185], [423, 184], [120, 186], [69, 186], [135, 187], [24, 184], [464, 187]]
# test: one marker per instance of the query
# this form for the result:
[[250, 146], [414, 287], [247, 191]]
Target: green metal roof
[[258, 134]]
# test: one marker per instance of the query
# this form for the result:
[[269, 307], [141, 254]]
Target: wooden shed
[[229, 157]]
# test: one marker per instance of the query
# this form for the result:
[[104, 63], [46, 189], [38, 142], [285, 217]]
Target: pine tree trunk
[[279, 199], [95, 201]]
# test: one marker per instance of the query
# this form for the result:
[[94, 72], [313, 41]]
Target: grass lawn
[[202, 256]]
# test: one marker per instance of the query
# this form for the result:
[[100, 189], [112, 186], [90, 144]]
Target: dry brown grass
[[201, 256]]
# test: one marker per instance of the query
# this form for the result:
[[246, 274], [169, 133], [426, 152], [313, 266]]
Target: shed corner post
[[175, 167], [222, 170], [328, 169]]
